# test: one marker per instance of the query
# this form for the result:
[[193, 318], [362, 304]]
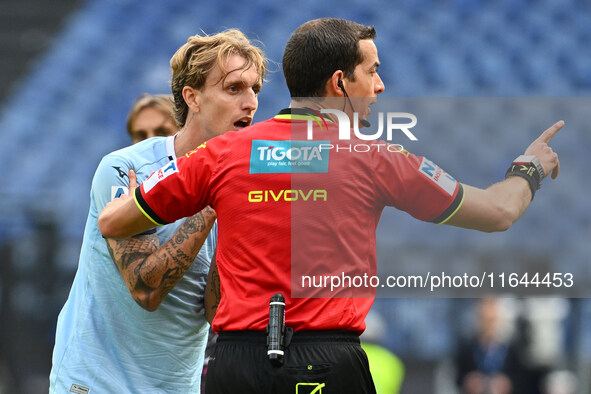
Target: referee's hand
[[122, 199], [132, 186], [548, 158], [121, 218], [132, 182]]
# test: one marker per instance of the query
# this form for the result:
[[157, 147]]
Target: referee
[[287, 204]]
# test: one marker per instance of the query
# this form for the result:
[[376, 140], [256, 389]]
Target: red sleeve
[[418, 186], [180, 188]]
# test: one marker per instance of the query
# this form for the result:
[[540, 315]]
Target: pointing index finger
[[547, 135]]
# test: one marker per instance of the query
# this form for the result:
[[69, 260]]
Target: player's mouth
[[243, 122]]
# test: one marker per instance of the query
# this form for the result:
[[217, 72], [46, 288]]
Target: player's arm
[[499, 206], [150, 271], [212, 291]]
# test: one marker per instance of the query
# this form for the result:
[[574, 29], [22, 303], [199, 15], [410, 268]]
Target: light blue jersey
[[105, 342]]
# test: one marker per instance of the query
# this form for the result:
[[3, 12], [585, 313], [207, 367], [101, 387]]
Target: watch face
[[526, 159], [531, 159]]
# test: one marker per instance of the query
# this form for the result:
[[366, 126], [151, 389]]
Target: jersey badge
[[159, 175], [437, 175]]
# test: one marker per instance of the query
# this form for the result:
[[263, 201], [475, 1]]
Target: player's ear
[[192, 98], [332, 87]]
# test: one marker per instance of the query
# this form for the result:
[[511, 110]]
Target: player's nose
[[251, 101]]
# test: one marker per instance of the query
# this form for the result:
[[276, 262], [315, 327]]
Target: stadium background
[[71, 68]]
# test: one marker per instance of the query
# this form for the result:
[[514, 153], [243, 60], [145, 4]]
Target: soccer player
[[151, 116], [286, 203], [106, 342]]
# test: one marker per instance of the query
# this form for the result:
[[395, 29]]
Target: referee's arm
[[500, 205], [122, 218]]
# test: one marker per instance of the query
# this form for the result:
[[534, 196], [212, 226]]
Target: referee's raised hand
[[540, 148]]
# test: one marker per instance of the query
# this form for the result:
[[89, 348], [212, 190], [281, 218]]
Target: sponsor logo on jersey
[[121, 173], [159, 175], [280, 157], [117, 191], [287, 195], [437, 175]]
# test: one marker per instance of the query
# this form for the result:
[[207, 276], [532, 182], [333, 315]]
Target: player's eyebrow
[[235, 81], [239, 80]]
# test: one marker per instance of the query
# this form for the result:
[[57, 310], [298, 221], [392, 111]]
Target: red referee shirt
[[294, 214]]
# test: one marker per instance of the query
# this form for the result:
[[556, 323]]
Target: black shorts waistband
[[304, 336]]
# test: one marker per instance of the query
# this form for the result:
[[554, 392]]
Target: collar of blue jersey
[[304, 113]]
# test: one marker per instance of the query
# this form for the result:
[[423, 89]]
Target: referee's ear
[[192, 98], [332, 87]]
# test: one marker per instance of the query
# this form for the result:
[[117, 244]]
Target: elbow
[[106, 227], [502, 225], [147, 301], [110, 228], [504, 218], [210, 313], [150, 307]]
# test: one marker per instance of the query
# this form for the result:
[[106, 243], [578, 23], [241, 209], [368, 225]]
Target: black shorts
[[319, 362]]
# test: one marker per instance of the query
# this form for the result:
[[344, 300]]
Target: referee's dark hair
[[317, 49]]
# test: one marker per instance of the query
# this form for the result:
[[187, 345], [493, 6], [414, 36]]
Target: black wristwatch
[[531, 159]]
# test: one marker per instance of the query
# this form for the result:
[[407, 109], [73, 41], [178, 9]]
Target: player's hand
[[548, 158]]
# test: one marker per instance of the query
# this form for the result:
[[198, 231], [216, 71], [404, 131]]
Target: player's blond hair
[[162, 102], [193, 62]]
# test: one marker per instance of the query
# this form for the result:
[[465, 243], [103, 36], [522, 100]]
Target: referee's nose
[[379, 84]]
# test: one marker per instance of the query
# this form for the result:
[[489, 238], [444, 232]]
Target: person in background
[[489, 361], [151, 116], [387, 369]]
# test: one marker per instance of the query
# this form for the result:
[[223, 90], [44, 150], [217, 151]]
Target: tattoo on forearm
[[216, 290], [151, 272], [212, 290]]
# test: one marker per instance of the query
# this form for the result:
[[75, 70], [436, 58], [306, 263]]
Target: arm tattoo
[[213, 293], [215, 280], [150, 271]]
